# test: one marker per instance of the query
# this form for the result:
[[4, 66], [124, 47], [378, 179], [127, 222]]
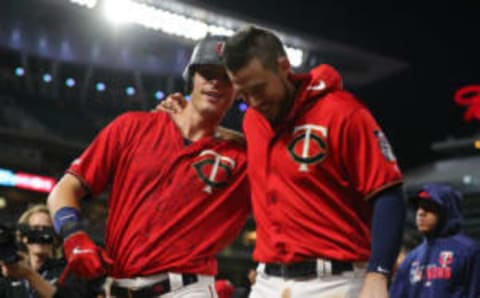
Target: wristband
[[66, 221]]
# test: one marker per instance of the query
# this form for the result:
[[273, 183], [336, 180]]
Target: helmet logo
[[219, 48]]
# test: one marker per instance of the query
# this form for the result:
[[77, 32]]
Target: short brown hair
[[252, 42]]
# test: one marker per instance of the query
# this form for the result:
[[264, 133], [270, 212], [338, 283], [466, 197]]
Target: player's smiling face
[[265, 90], [212, 91]]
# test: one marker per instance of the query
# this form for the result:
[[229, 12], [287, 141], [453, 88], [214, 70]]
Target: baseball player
[[447, 262], [179, 192], [326, 187]]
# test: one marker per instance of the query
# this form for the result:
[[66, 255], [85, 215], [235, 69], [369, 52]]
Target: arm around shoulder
[[230, 135]]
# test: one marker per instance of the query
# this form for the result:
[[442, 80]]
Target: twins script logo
[[214, 169], [309, 145]]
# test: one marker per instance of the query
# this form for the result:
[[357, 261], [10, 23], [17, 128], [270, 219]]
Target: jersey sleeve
[[368, 158], [97, 163]]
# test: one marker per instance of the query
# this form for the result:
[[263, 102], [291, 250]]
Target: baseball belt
[[308, 269], [154, 290]]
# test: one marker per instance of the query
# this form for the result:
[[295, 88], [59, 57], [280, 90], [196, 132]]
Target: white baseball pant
[[345, 285]]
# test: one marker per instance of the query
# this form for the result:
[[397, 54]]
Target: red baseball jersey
[[172, 206], [311, 177]]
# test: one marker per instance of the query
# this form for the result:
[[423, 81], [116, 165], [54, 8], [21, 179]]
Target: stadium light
[[19, 71], [130, 90], [47, 78], [242, 107], [218, 30], [70, 82], [476, 144], [295, 56], [100, 86], [87, 3], [129, 11], [159, 95]]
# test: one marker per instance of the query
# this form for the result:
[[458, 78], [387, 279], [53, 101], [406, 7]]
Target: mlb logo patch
[[385, 146]]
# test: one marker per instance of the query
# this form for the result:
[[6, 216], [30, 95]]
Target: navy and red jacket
[[446, 263]]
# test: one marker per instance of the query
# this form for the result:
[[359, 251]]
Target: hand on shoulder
[[230, 135]]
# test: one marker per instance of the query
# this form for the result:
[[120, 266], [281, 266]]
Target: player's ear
[[284, 66]]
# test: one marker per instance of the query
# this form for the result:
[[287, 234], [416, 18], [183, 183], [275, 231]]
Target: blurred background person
[[447, 262], [36, 270], [38, 266], [36, 233]]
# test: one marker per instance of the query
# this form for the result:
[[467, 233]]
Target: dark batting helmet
[[207, 52]]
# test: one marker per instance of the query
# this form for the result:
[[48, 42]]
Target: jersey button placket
[[273, 203], [270, 187]]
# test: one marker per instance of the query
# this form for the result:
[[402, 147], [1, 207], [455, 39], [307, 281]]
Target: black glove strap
[[69, 228]]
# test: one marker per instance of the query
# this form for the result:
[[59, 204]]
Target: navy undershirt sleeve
[[387, 230]]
